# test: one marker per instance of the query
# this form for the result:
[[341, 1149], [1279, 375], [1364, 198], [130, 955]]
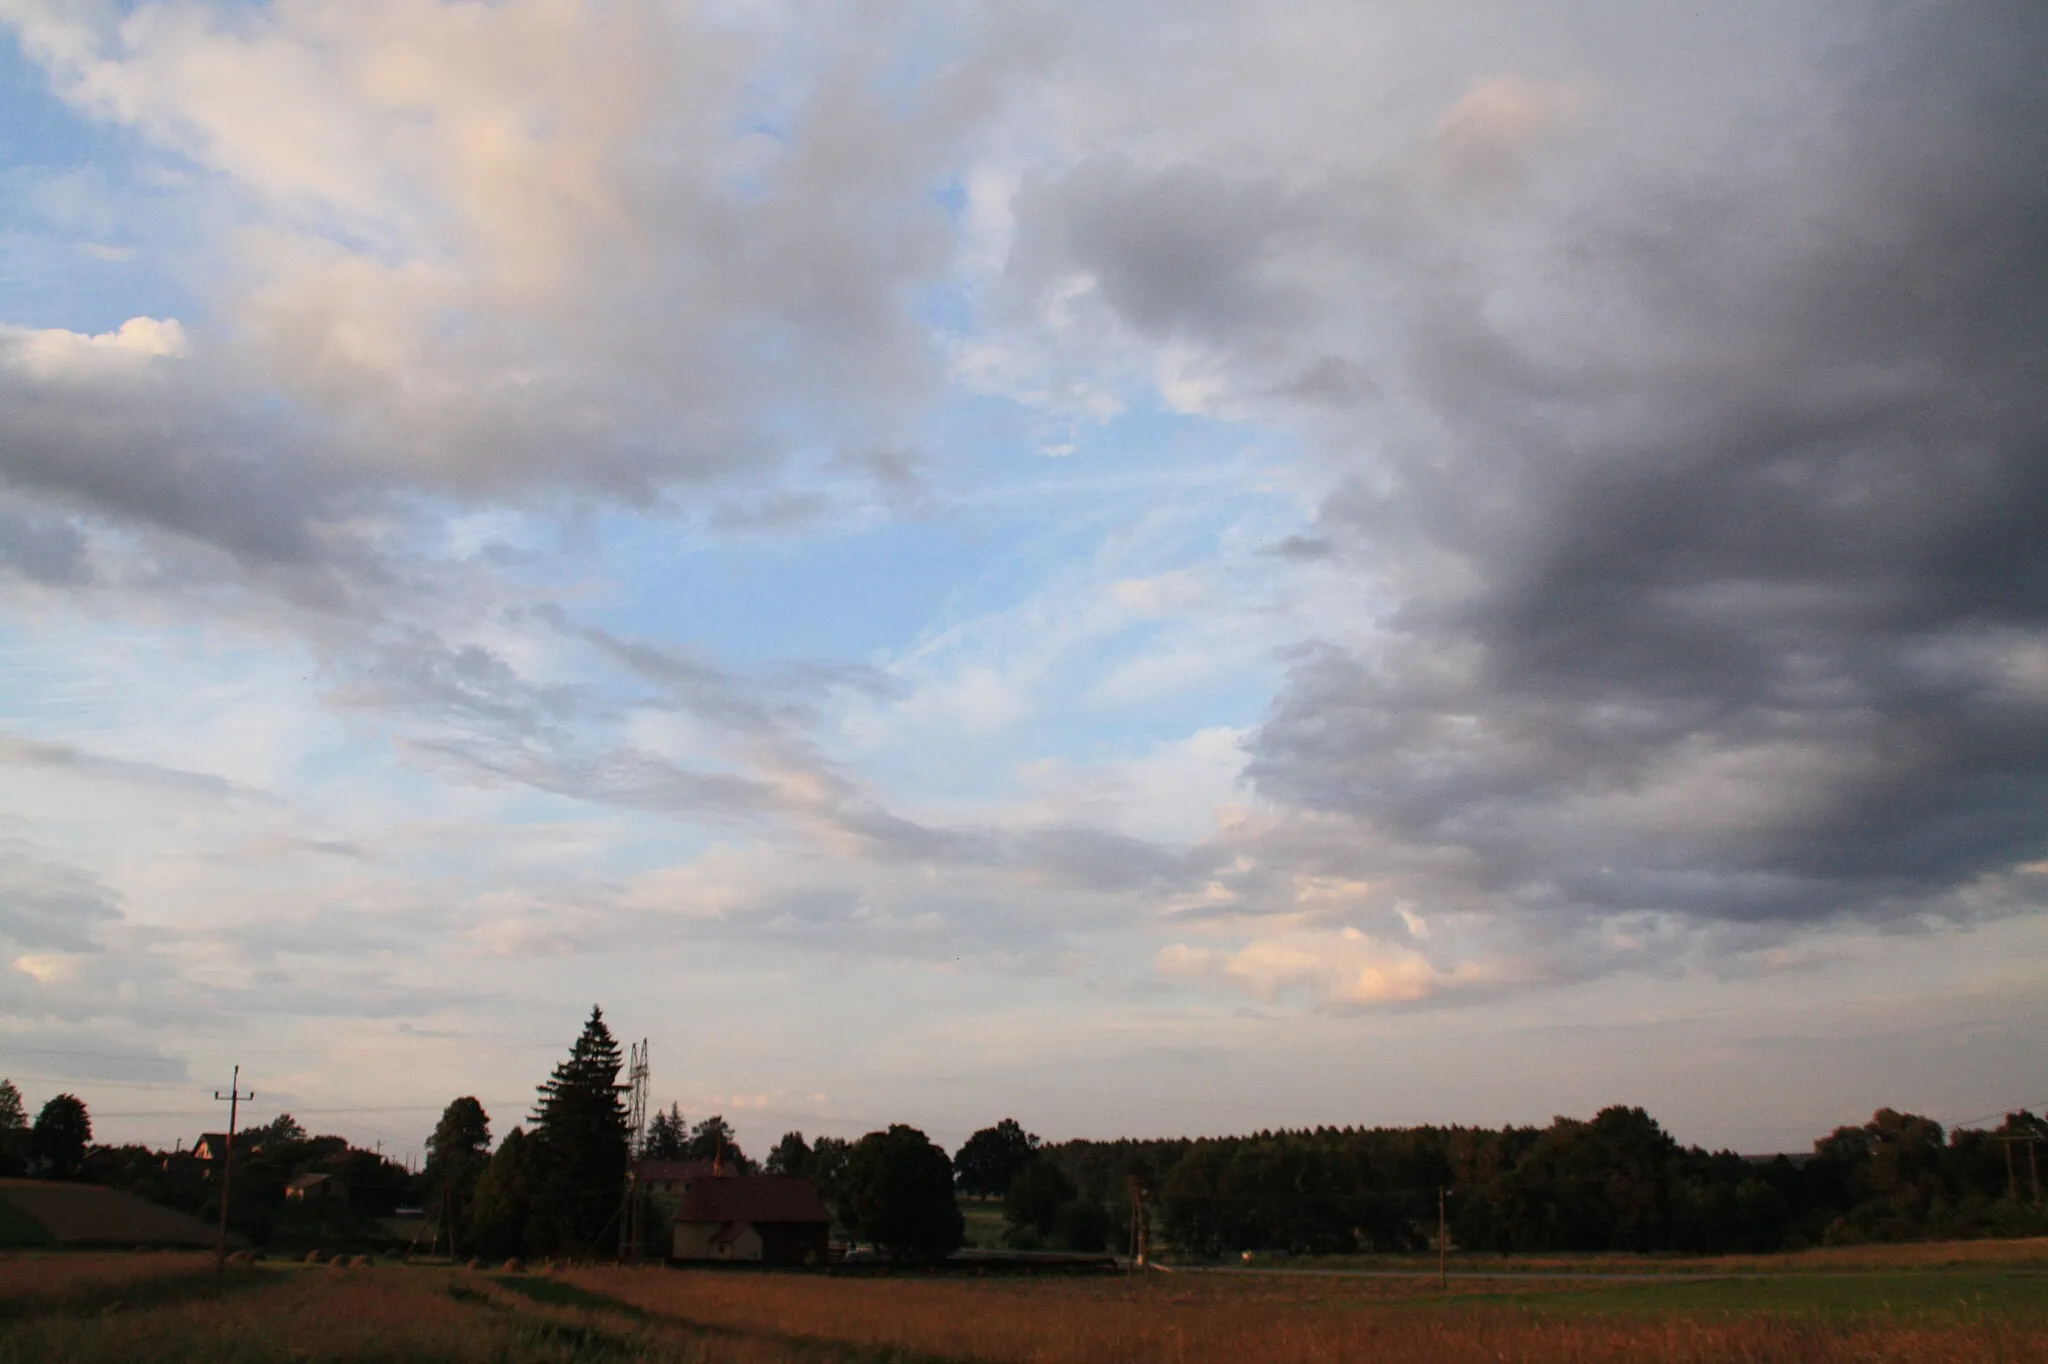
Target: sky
[[1154, 569]]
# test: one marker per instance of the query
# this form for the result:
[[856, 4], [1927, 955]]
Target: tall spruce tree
[[580, 1132]]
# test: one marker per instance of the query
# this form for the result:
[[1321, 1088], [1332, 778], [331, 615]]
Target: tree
[[828, 1165], [501, 1209], [1083, 1225], [1035, 1196], [457, 1154], [1599, 1185], [13, 1129], [791, 1156], [59, 1138], [897, 1192], [991, 1158], [667, 1135], [280, 1129], [580, 1125], [712, 1139]]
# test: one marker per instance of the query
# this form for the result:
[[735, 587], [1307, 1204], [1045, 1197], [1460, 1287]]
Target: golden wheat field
[[1917, 1305]]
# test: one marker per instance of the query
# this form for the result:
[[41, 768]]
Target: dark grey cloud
[[1181, 249], [118, 435], [49, 905], [1719, 518]]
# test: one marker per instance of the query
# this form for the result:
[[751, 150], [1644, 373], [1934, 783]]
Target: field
[[1983, 1302], [43, 1211]]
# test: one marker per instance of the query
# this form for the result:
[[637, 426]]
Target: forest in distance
[[1616, 1182]]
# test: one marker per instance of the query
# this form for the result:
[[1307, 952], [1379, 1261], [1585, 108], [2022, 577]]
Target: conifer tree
[[580, 1131], [668, 1136]]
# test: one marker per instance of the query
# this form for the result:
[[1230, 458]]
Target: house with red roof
[[761, 1219]]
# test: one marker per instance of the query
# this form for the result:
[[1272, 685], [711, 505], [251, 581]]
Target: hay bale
[[513, 1266], [360, 1262], [315, 1257], [474, 1263]]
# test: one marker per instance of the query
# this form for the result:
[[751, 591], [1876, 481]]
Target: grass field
[[86, 1215], [1912, 1304]]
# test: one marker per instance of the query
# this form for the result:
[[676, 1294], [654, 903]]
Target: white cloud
[[1344, 967], [52, 353]]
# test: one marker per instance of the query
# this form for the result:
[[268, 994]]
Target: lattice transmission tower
[[631, 1204]]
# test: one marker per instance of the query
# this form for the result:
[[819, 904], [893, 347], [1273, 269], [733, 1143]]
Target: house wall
[[794, 1243], [694, 1242]]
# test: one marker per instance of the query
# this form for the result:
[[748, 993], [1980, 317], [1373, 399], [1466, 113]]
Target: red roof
[[752, 1198]]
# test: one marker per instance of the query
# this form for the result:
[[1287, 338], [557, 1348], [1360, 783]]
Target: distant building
[[316, 1188], [661, 1184], [763, 1219]]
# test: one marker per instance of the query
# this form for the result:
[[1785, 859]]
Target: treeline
[[268, 1158], [1616, 1183], [557, 1187], [1619, 1182]]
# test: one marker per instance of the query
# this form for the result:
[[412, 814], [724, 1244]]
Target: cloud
[[1344, 968], [1482, 140], [1703, 489], [1719, 597], [1630, 503], [60, 757], [488, 254], [52, 909]]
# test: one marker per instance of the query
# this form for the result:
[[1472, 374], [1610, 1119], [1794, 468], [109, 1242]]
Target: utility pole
[[2012, 1181], [1442, 1242], [1139, 1238], [234, 1098], [2012, 1172]]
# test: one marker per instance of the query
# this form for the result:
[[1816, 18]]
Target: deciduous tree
[[457, 1154], [712, 1139], [1035, 1196], [63, 1130], [501, 1211], [13, 1129], [991, 1158], [898, 1193], [791, 1156]]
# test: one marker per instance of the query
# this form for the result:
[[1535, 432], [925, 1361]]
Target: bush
[[1082, 1224], [1036, 1196]]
